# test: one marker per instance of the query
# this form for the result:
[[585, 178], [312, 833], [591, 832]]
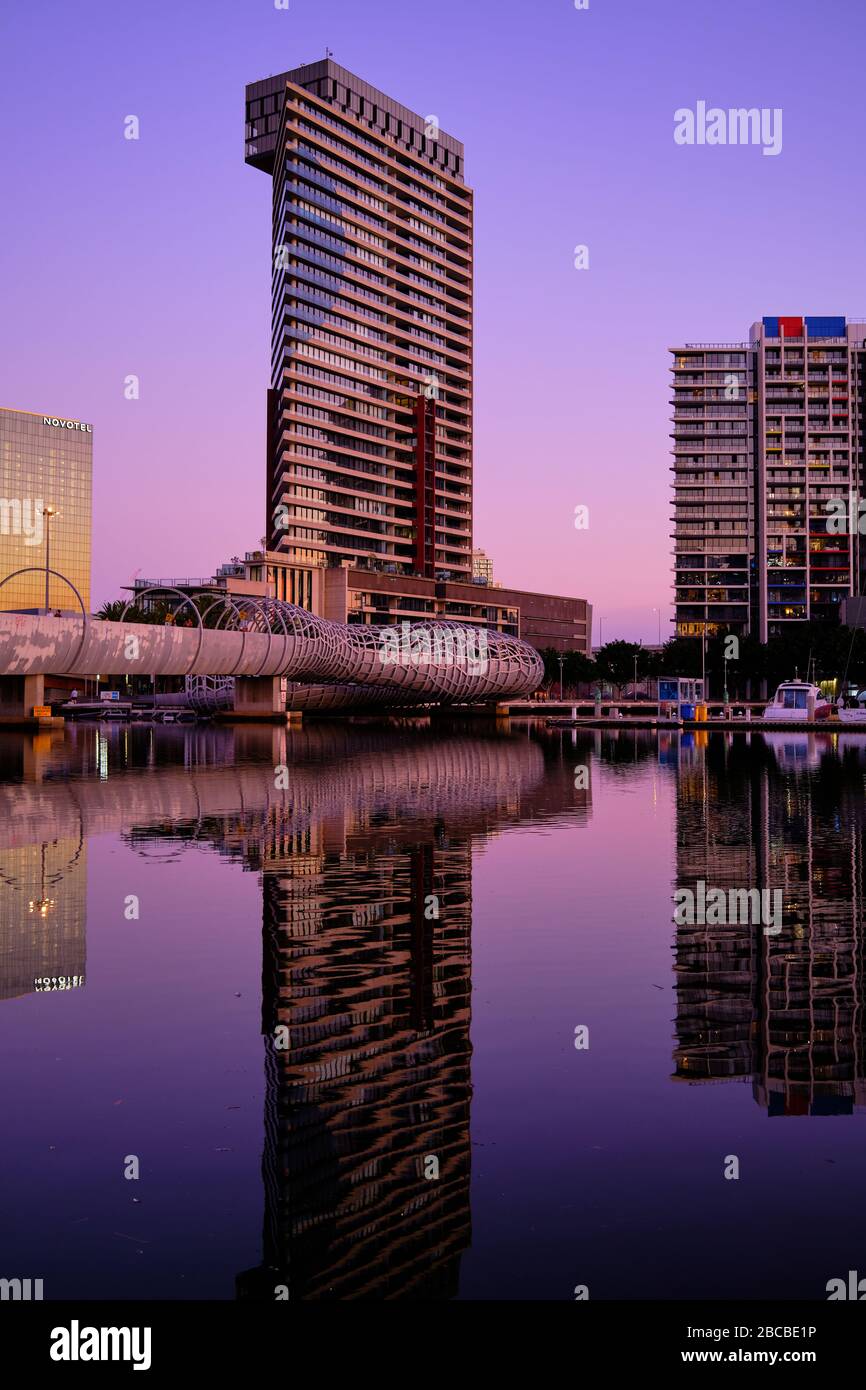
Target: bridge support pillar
[[258, 697], [18, 695]]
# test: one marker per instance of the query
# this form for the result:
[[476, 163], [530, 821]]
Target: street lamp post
[[48, 513], [561, 660], [659, 612], [703, 663]]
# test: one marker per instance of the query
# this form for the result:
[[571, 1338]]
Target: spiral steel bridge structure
[[428, 662]]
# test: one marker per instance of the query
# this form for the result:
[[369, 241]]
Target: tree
[[681, 656], [113, 612], [577, 669], [163, 607], [615, 662]]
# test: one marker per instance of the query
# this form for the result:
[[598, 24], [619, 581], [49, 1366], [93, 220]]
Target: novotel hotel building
[[46, 481]]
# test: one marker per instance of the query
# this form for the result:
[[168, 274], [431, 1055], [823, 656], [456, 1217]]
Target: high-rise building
[[46, 467], [482, 567], [370, 406], [768, 446]]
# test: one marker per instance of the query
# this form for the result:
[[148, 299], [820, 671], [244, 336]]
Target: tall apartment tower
[[370, 406], [714, 488], [768, 446]]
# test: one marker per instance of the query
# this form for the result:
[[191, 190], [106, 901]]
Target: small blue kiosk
[[683, 692]]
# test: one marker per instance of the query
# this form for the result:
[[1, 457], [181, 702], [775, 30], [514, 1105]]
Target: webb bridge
[[263, 642]]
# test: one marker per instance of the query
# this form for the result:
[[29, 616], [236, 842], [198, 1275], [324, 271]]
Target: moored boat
[[852, 710], [798, 702]]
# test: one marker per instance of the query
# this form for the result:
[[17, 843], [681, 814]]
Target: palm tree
[[113, 612]]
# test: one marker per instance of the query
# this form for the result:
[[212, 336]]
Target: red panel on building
[[791, 328], [425, 433]]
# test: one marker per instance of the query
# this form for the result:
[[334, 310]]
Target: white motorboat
[[798, 702], [852, 710]]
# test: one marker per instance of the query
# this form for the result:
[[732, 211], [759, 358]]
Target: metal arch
[[267, 609], [255, 602], [40, 569], [168, 589], [224, 603], [230, 607], [274, 607], [261, 622], [214, 598]]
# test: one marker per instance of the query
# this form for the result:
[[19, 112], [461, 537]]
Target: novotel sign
[[66, 424]]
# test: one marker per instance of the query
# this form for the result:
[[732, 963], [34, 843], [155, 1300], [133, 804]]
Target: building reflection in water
[[367, 965], [786, 1012], [366, 869], [43, 912], [374, 990]]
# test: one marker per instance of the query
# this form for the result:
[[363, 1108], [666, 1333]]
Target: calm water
[[416, 1040]]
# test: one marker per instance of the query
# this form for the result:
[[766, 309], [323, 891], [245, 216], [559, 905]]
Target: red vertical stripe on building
[[420, 481]]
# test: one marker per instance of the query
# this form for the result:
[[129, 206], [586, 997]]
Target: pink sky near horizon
[[153, 257]]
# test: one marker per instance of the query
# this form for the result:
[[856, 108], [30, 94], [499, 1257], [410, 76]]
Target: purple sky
[[153, 257]]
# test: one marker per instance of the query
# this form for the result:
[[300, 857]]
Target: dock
[[739, 726], [734, 717]]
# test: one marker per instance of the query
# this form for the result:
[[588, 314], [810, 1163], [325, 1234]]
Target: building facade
[[482, 567], [370, 406], [46, 494], [768, 446], [347, 595], [369, 446], [352, 595]]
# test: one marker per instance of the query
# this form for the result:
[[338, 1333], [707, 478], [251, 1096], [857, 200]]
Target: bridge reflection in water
[[366, 870]]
